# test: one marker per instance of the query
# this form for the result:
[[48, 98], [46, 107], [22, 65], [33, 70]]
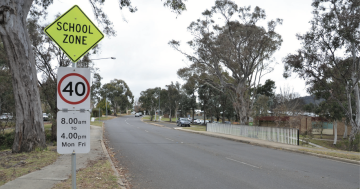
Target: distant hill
[[311, 99]]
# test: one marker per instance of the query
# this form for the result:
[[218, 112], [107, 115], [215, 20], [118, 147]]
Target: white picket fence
[[273, 134]]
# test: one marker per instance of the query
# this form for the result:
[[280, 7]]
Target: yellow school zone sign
[[74, 33]]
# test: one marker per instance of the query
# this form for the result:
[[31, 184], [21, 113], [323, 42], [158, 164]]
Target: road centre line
[[169, 139], [242, 162]]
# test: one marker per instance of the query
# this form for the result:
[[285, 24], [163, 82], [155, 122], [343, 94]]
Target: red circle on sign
[[87, 84]]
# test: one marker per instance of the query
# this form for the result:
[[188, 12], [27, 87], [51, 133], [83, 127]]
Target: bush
[[95, 113], [355, 145], [48, 135], [345, 144], [6, 140]]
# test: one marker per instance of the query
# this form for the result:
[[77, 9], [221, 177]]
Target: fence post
[[298, 137]]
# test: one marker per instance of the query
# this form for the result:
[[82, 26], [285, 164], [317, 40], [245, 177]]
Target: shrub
[[95, 113], [6, 140], [48, 135], [345, 144]]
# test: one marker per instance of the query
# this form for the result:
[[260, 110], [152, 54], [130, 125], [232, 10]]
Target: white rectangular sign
[[73, 132], [73, 88]]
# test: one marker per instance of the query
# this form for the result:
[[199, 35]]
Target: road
[[162, 157]]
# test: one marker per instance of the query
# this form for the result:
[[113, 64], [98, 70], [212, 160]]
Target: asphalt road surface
[[162, 157]]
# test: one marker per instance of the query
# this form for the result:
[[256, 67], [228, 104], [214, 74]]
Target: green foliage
[[329, 58], [96, 88], [233, 56], [261, 105], [48, 135], [103, 106], [149, 100], [177, 6], [351, 145], [95, 112], [119, 94], [268, 89], [6, 140]]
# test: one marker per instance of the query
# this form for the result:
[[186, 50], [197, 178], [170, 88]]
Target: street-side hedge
[[95, 113]]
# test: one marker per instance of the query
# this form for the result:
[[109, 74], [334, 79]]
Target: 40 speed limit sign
[[73, 88], [73, 132]]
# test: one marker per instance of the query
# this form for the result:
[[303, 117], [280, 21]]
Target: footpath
[[317, 151], [48, 176]]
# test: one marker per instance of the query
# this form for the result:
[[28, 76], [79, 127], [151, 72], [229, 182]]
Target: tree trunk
[[170, 116], [193, 115], [29, 130], [204, 113], [176, 110], [335, 131], [223, 116], [355, 127], [345, 131]]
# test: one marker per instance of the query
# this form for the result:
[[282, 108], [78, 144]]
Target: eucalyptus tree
[[119, 94], [95, 88], [149, 100], [208, 98], [239, 53], [173, 98], [330, 53], [191, 76]]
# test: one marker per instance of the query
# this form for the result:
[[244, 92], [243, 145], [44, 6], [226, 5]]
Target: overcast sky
[[145, 60]]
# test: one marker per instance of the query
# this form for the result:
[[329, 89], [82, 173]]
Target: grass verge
[[334, 154], [196, 128], [99, 123], [145, 117], [97, 174], [47, 126], [13, 166], [96, 123]]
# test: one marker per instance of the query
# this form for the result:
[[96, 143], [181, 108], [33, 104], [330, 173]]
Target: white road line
[[242, 162], [169, 139]]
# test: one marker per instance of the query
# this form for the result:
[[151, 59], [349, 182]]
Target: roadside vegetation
[[97, 174], [196, 128], [327, 141]]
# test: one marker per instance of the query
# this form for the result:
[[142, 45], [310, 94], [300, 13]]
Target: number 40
[[69, 89]]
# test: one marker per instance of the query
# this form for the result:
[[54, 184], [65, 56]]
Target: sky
[[145, 60]]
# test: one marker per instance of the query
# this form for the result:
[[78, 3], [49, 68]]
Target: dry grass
[[97, 174], [96, 123], [13, 166], [334, 154]]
